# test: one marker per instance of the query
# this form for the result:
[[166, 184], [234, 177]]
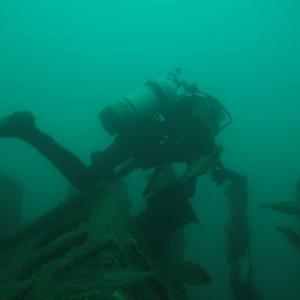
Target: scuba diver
[[11, 196], [165, 121]]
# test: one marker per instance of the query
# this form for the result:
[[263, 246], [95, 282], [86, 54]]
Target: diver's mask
[[156, 96]]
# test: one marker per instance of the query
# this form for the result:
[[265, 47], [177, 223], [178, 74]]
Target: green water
[[64, 60]]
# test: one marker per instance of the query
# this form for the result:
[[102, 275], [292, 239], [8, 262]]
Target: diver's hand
[[219, 173]]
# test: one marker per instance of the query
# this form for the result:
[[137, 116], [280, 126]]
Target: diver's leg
[[22, 125]]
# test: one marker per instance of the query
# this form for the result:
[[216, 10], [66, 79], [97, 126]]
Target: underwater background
[[65, 60]]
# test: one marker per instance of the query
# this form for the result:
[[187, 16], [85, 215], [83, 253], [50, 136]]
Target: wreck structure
[[239, 237], [55, 257]]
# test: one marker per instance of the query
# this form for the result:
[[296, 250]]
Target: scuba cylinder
[[156, 96]]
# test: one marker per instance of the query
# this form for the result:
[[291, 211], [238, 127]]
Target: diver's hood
[[156, 96]]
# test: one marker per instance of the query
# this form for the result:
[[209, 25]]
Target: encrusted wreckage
[[86, 248]]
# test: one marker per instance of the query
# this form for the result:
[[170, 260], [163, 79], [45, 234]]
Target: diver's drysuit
[[154, 126]]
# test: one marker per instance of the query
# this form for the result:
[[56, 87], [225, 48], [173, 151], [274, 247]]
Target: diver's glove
[[219, 173]]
